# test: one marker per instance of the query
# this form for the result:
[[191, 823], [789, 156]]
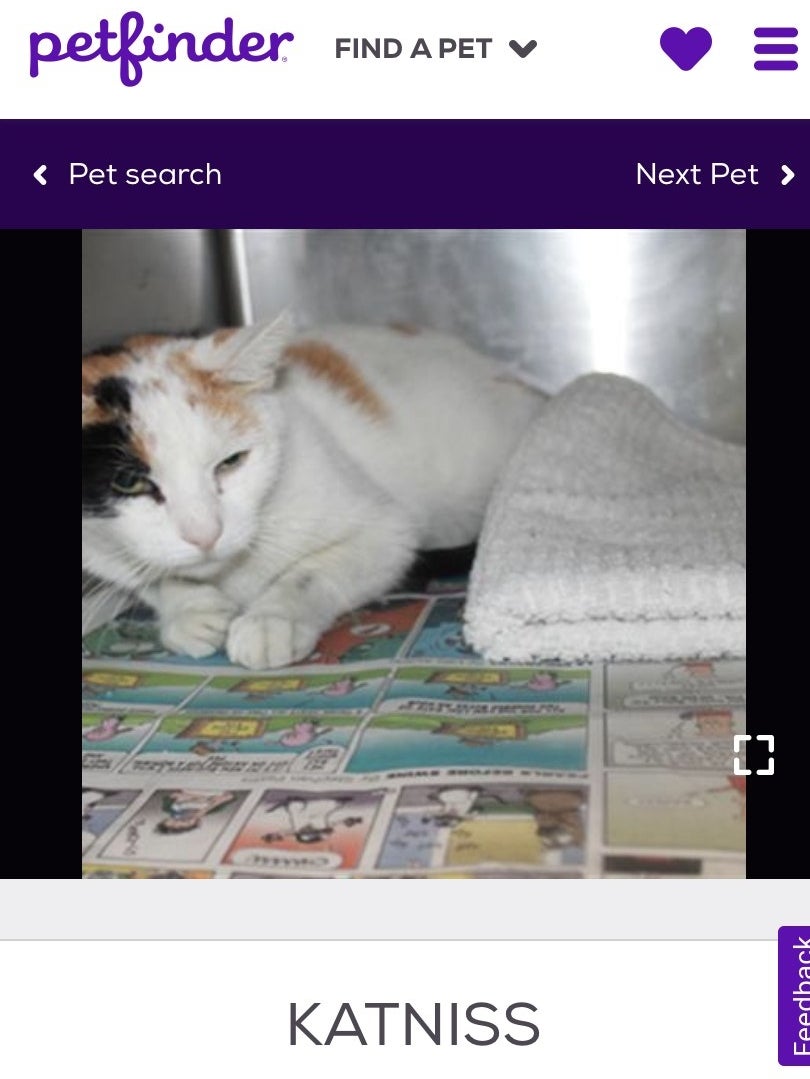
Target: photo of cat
[[300, 455]]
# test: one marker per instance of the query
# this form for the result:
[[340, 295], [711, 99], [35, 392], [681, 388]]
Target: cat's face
[[181, 441]]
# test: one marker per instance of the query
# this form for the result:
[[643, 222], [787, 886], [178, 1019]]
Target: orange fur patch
[[146, 340], [221, 336], [209, 390], [95, 368], [322, 361], [139, 447], [406, 328]]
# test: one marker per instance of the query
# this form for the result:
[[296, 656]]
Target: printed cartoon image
[[278, 743], [204, 735], [303, 733], [734, 787], [374, 632], [452, 805], [185, 810], [99, 809], [558, 817], [113, 730], [695, 738], [699, 684], [555, 741], [479, 826], [176, 826], [291, 691], [504, 685], [292, 830], [129, 686], [711, 723], [694, 672], [442, 635], [682, 810], [132, 634]]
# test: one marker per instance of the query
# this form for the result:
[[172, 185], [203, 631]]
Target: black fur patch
[[113, 395], [105, 449], [441, 562]]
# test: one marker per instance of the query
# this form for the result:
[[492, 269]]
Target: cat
[[252, 485]]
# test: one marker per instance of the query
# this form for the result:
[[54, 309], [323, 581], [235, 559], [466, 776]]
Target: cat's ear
[[250, 355]]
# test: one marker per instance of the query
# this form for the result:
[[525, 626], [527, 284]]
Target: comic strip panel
[[692, 739], [306, 831], [176, 826], [291, 691], [136, 687], [371, 633], [250, 744], [448, 826], [500, 685], [107, 737], [100, 810], [702, 683], [548, 739], [681, 810], [442, 635]]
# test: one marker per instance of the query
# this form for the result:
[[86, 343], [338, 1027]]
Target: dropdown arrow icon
[[39, 175], [789, 174], [522, 50]]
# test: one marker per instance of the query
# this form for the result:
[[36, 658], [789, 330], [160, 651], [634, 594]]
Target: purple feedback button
[[794, 995]]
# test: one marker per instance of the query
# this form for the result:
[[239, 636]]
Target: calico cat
[[251, 486]]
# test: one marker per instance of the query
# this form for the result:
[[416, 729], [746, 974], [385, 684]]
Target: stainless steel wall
[[664, 307]]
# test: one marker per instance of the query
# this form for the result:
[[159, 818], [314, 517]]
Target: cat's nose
[[202, 534]]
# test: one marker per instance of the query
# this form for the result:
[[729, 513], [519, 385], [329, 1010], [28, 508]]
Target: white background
[[203, 1008], [593, 59], [169, 1009]]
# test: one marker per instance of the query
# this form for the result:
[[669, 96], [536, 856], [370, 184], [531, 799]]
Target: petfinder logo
[[130, 47]]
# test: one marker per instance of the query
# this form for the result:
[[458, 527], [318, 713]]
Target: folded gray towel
[[614, 532]]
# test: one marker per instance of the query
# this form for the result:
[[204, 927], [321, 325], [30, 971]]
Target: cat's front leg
[[194, 618], [265, 639], [284, 623]]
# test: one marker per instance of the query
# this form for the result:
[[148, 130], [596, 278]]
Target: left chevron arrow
[[39, 175]]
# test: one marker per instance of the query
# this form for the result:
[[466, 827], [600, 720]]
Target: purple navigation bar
[[794, 995], [406, 173]]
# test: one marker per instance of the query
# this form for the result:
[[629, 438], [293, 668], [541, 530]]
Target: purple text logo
[[130, 47]]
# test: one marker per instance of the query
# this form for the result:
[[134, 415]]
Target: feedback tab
[[794, 995]]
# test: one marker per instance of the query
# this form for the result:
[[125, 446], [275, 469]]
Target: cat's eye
[[130, 481], [232, 461]]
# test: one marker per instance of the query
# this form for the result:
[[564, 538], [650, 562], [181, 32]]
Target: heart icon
[[686, 47]]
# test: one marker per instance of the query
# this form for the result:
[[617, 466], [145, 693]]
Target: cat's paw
[[259, 641], [199, 626]]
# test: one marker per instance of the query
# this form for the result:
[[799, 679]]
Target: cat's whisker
[[124, 590]]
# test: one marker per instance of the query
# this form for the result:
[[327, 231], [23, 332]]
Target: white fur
[[331, 503]]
